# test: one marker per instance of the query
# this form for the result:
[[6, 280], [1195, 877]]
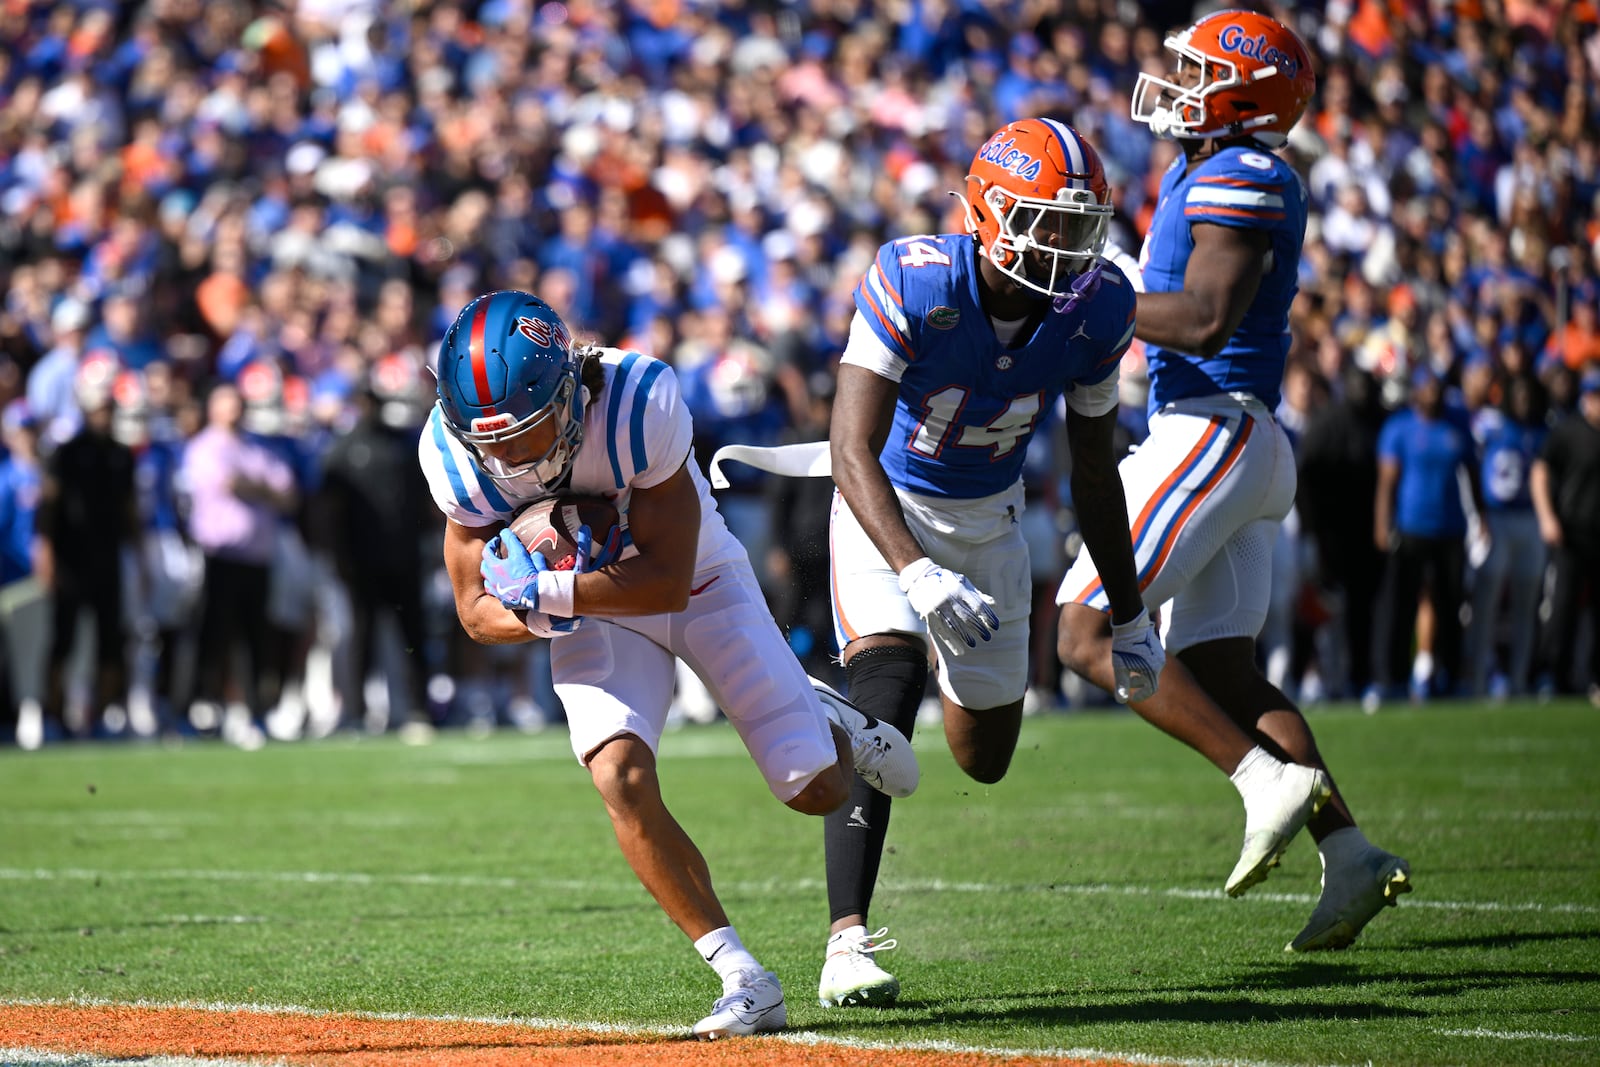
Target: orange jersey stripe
[[887, 325], [1241, 183], [1232, 212], [883, 280]]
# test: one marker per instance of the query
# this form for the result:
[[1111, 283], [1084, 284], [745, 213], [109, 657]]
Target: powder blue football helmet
[[506, 366]]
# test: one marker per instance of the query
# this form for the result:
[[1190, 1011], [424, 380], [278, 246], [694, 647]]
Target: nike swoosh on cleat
[[748, 1016]]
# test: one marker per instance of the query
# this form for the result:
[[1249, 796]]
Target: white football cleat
[[751, 1003], [851, 976], [882, 754], [1272, 819], [1352, 896]]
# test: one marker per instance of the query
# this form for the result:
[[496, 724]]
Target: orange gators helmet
[[1238, 72], [1038, 203]]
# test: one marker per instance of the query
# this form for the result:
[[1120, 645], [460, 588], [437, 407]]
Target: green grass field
[[1077, 905]]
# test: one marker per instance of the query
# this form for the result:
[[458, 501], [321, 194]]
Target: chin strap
[[1083, 287]]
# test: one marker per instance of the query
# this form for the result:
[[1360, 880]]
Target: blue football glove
[[541, 624], [588, 558], [514, 578]]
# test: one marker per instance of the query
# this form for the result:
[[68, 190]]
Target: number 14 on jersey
[[1000, 433]]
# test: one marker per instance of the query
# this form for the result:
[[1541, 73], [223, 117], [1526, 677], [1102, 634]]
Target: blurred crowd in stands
[[232, 234]]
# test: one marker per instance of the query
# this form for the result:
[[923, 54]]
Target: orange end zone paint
[[363, 1041]]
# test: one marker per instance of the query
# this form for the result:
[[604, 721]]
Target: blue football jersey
[[1509, 450], [1243, 187], [968, 404]]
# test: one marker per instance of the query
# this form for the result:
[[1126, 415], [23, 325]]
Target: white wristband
[[555, 593]]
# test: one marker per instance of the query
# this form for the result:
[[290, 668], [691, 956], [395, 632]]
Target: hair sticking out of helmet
[[1239, 73], [1038, 203], [507, 368]]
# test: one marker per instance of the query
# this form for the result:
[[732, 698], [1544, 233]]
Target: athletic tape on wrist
[[555, 593]]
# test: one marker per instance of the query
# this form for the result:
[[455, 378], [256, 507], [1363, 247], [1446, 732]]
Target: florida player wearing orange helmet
[[960, 345], [1216, 476]]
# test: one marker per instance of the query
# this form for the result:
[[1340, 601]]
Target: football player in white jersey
[[525, 414], [960, 342], [1216, 476]]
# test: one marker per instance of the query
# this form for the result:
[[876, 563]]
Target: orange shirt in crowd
[[1575, 346]]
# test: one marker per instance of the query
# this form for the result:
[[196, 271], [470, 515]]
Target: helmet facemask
[[1174, 110], [1044, 244], [545, 473]]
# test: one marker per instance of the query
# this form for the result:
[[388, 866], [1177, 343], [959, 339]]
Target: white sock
[[1342, 847], [726, 953], [854, 933], [1258, 768]]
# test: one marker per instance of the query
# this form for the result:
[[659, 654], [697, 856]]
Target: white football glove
[[951, 606], [1136, 658]]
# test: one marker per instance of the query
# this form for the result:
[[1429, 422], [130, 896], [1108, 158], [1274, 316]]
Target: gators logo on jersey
[[943, 318]]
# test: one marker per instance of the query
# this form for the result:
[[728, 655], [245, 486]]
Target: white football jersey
[[636, 434]]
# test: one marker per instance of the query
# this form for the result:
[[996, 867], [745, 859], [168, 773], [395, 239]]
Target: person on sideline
[[1423, 451], [238, 490], [1215, 478], [1566, 494], [524, 414], [87, 516], [960, 343], [1513, 571]]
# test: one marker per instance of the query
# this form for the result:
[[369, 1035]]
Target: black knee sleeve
[[886, 682]]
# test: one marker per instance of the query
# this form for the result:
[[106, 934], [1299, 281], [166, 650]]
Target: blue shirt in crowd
[[1429, 452], [1509, 449], [19, 499]]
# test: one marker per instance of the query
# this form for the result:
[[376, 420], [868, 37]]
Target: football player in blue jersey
[[1513, 571], [1210, 486], [525, 414], [960, 344]]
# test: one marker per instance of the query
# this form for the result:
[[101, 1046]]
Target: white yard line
[[28, 1057], [933, 885], [1517, 1035]]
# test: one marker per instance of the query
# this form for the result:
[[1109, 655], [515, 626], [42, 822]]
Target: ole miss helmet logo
[[543, 333]]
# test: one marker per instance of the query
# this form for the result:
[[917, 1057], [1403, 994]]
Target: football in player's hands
[[552, 528]]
